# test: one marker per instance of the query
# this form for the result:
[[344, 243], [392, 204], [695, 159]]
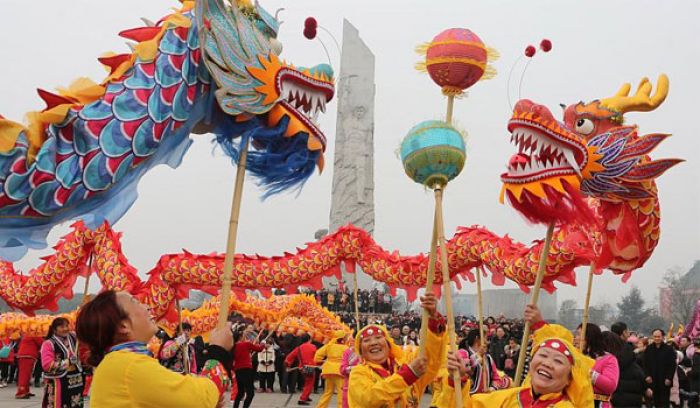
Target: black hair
[[59, 321], [185, 326], [594, 341], [473, 336], [663, 333], [618, 328], [613, 344]]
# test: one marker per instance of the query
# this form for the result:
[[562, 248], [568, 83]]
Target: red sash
[[526, 400], [384, 373]]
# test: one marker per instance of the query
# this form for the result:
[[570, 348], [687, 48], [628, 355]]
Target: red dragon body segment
[[175, 274]]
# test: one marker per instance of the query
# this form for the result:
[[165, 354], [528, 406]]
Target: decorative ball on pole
[[456, 59], [433, 153]]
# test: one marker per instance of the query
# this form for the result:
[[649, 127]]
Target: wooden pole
[[232, 235], [357, 306], [446, 289], [584, 324], [482, 335], [87, 280], [185, 345], [535, 297], [429, 283], [277, 328], [450, 108]]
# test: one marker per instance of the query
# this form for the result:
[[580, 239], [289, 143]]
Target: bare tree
[[681, 294]]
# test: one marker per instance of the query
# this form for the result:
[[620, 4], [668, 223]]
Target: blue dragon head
[[276, 103]]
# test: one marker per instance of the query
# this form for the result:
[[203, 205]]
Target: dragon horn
[[642, 101]]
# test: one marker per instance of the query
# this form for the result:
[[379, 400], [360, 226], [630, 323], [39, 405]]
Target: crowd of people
[[622, 368], [341, 299]]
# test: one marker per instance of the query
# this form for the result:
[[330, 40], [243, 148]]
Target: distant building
[[508, 302]]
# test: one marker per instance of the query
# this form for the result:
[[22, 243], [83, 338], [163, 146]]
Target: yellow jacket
[[509, 398], [332, 352], [368, 389], [438, 387], [126, 379], [578, 394]]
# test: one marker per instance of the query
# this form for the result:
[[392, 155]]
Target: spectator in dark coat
[[630, 387], [497, 347], [660, 367]]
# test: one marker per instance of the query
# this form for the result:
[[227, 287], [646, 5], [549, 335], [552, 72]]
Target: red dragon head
[[591, 153]]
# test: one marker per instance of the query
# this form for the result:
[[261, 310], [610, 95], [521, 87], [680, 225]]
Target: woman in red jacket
[[304, 356], [243, 367], [27, 356]]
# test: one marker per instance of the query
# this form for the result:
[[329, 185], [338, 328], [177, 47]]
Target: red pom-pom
[[311, 23], [310, 33], [546, 45], [530, 51]]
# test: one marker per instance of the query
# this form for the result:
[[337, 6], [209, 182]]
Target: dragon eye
[[584, 126]]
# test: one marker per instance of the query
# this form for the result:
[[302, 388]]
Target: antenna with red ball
[[310, 32], [530, 51]]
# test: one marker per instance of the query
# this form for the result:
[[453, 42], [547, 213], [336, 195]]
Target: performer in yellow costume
[[559, 376], [332, 352], [388, 377]]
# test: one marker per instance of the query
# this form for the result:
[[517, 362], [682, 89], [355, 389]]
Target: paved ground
[[274, 400]]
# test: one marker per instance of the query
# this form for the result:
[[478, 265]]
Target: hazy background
[[598, 45]]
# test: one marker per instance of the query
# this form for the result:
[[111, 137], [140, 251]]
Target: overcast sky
[[598, 45]]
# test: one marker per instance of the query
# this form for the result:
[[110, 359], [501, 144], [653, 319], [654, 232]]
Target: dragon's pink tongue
[[519, 158]]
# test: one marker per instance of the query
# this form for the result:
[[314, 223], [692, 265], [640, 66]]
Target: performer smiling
[[388, 376], [559, 374]]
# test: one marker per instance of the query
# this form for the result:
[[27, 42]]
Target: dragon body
[[294, 314], [209, 67], [215, 68], [611, 167]]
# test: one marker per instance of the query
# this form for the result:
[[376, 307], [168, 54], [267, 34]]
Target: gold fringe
[[422, 49], [452, 91], [421, 66], [492, 54], [489, 73]]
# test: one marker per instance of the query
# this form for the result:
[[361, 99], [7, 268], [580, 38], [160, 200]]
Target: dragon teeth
[[569, 155]]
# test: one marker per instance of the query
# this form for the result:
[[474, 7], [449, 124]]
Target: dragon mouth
[[540, 155], [543, 151], [305, 98], [298, 93]]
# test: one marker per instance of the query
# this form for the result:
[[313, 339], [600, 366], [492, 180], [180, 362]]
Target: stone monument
[[352, 194]]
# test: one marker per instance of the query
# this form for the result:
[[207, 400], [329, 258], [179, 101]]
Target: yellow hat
[[580, 389], [372, 329]]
